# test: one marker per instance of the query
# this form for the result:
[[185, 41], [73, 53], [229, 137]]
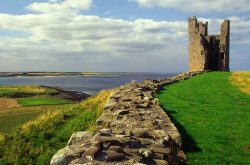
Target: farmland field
[[19, 104], [42, 101]]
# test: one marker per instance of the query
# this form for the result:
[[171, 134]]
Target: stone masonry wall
[[133, 129], [197, 51]]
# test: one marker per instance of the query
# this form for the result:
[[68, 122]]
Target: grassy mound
[[24, 91], [25, 102], [212, 115], [36, 141]]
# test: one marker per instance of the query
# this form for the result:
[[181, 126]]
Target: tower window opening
[[222, 55]]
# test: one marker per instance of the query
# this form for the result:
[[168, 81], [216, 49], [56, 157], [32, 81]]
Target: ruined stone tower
[[208, 52]]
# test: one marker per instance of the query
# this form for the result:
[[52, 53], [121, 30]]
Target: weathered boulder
[[106, 132], [64, 156]]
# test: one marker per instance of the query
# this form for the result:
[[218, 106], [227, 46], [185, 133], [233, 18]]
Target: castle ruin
[[208, 52]]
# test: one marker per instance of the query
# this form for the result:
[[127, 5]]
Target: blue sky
[[113, 35]]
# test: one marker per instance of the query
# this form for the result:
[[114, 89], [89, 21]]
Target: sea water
[[86, 84]]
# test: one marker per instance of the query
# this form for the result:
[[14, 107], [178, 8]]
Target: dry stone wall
[[133, 129]]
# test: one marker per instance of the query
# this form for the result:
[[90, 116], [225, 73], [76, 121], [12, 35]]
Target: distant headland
[[55, 74]]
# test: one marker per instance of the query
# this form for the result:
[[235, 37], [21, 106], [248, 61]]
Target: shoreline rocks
[[68, 95]]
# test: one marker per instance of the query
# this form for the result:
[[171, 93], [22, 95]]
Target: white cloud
[[81, 31], [93, 43], [99, 41], [58, 6], [203, 6], [54, 1]]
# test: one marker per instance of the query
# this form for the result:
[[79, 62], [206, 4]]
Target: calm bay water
[[86, 84]]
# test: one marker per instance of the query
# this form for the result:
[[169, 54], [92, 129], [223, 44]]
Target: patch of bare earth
[[8, 103]]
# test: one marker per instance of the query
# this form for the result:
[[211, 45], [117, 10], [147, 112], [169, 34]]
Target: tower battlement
[[208, 52]]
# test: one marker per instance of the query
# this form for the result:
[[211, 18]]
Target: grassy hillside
[[10, 118], [213, 116], [35, 142]]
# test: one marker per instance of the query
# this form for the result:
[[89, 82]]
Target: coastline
[[68, 74], [68, 95]]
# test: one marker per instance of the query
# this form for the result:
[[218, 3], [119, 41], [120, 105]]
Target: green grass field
[[25, 102], [16, 111], [213, 117], [35, 142]]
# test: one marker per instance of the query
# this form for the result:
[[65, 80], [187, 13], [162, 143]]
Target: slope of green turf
[[213, 117]]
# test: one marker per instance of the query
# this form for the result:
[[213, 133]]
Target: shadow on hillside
[[188, 143]]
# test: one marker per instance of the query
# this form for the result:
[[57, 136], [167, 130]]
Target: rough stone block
[[78, 137]]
